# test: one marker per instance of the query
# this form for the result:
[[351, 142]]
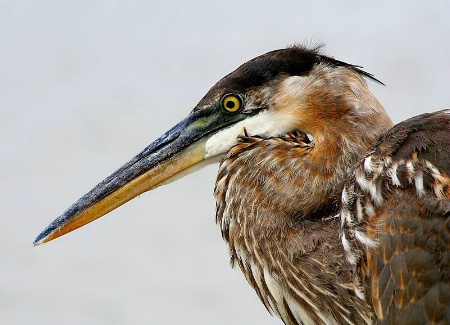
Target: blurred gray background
[[85, 85]]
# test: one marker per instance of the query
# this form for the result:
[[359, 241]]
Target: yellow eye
[[231, 103]]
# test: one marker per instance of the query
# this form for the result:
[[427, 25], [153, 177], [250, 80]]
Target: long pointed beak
[[175, 151]]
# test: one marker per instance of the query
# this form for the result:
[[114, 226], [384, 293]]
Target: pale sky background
[[85, 85]]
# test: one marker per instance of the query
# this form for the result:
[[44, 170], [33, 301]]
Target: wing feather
[[408, 272]]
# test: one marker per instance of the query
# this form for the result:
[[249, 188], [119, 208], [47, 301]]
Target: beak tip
[[45, 236], [39, 240]]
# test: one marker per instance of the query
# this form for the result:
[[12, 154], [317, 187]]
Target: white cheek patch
[[267, 124]]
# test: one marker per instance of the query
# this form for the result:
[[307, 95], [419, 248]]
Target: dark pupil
[[230, 104]]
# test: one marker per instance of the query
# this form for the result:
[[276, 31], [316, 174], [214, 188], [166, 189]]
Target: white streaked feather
[[392, 173], [368, 165], [359, 210], [351, 257], [418, 182], [371, 187], [346, 217], [360, 293], [274, 289], [369, 208], [410, 170], [364, 239], [299, 312], [434, 170], [345, 196], [345, 243]]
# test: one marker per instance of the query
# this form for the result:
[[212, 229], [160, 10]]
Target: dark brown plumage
[[407, 272], [293, 257], [333, 215]]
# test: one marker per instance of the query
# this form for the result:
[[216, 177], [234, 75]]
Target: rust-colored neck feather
[[277, 197]]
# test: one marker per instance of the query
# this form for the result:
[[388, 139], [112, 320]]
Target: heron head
[[284, 90]]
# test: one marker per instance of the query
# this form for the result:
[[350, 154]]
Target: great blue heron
[[333, 215]]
